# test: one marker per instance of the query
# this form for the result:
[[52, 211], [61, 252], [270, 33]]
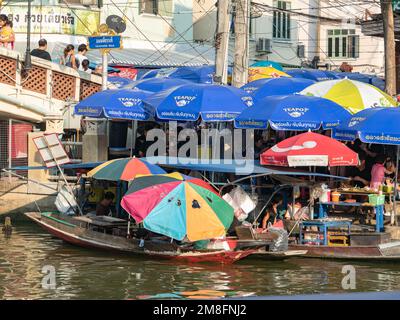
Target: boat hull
[[385, 252], [83, 237]]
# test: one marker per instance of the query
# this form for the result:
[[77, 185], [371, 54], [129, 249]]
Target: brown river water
[[91, 274]]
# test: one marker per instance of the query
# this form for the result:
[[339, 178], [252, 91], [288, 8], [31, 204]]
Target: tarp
[[227, 166]]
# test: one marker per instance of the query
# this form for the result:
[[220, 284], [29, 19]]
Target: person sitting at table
[[274, 212], [103, 208], [360, 175], [378, 172]]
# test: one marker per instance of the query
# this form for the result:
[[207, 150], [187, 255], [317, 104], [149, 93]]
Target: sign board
[[53, 19], [51, 150], [105, 42]]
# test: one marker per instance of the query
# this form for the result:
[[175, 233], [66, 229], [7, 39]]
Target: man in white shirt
[[82, 50]]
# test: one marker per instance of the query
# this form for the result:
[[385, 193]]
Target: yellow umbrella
[[256, 73], [351, 94]]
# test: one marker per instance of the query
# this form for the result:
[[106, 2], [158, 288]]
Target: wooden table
[[379, 210], [322, 225]]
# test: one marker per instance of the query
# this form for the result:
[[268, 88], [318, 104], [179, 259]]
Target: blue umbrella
[[115, 104], [276, 86], [158, 73], [189, 102], [202, 74], [156, 84], [362, 77], [150, 74], [267, 63], [312, 74], [119, 82], [292, 112], [372, 125]]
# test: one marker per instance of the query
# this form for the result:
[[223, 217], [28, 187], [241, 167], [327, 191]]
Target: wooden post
[[390, 51], [222, 41], [241, 62]]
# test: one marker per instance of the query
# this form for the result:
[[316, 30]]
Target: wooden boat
[[105, 233], [380, 252]]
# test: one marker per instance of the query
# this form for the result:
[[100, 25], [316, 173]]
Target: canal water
[[90, 274]]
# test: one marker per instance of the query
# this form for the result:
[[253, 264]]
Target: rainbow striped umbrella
[[176, 205], [123, 169]]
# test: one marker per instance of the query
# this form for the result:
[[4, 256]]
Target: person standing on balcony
[[41, 51], [7, 36], [68, 58], [81, 56]]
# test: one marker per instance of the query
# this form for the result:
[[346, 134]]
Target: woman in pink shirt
[[378, 172]]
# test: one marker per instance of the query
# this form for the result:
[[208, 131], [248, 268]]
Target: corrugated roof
[[169, 55], [180, 56]]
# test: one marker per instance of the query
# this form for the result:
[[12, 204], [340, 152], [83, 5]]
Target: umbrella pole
[[129, 226], [133, 136], [393, 220]]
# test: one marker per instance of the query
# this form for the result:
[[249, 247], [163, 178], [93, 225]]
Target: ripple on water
[[92, 274]]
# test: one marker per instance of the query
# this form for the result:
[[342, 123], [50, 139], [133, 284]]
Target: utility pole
[[390, 51], [241, 62], [222, 41]]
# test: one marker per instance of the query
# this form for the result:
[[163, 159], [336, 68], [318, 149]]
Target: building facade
[[150, 24], [343, 40], [298, 32]]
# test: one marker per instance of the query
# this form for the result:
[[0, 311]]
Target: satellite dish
[[116, 23]]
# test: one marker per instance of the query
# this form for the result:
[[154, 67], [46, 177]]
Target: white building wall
[[371, 49], [284, 51], [148, 30]]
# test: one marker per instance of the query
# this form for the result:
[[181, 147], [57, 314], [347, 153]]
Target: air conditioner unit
[[89, 2], [301, 51], [264, 45]]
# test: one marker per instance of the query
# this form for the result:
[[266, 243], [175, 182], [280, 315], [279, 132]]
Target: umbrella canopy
[[374, 125], [292, 112], [115, 104], [202, 74], [158, 73], [119, 82], [267, 63], [177, 206], [189, 102], [156, 84], [309, 149], [256, 73], [350, 94], [125, 169], [277, 86], [312, 74]]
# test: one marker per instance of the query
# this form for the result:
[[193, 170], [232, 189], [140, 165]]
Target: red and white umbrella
[[309, 149]]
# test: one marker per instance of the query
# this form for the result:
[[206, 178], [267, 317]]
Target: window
[[157, 7], [281, 20], [343, 43]]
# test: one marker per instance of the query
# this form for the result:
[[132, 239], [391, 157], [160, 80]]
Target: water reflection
[[89, 274]]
